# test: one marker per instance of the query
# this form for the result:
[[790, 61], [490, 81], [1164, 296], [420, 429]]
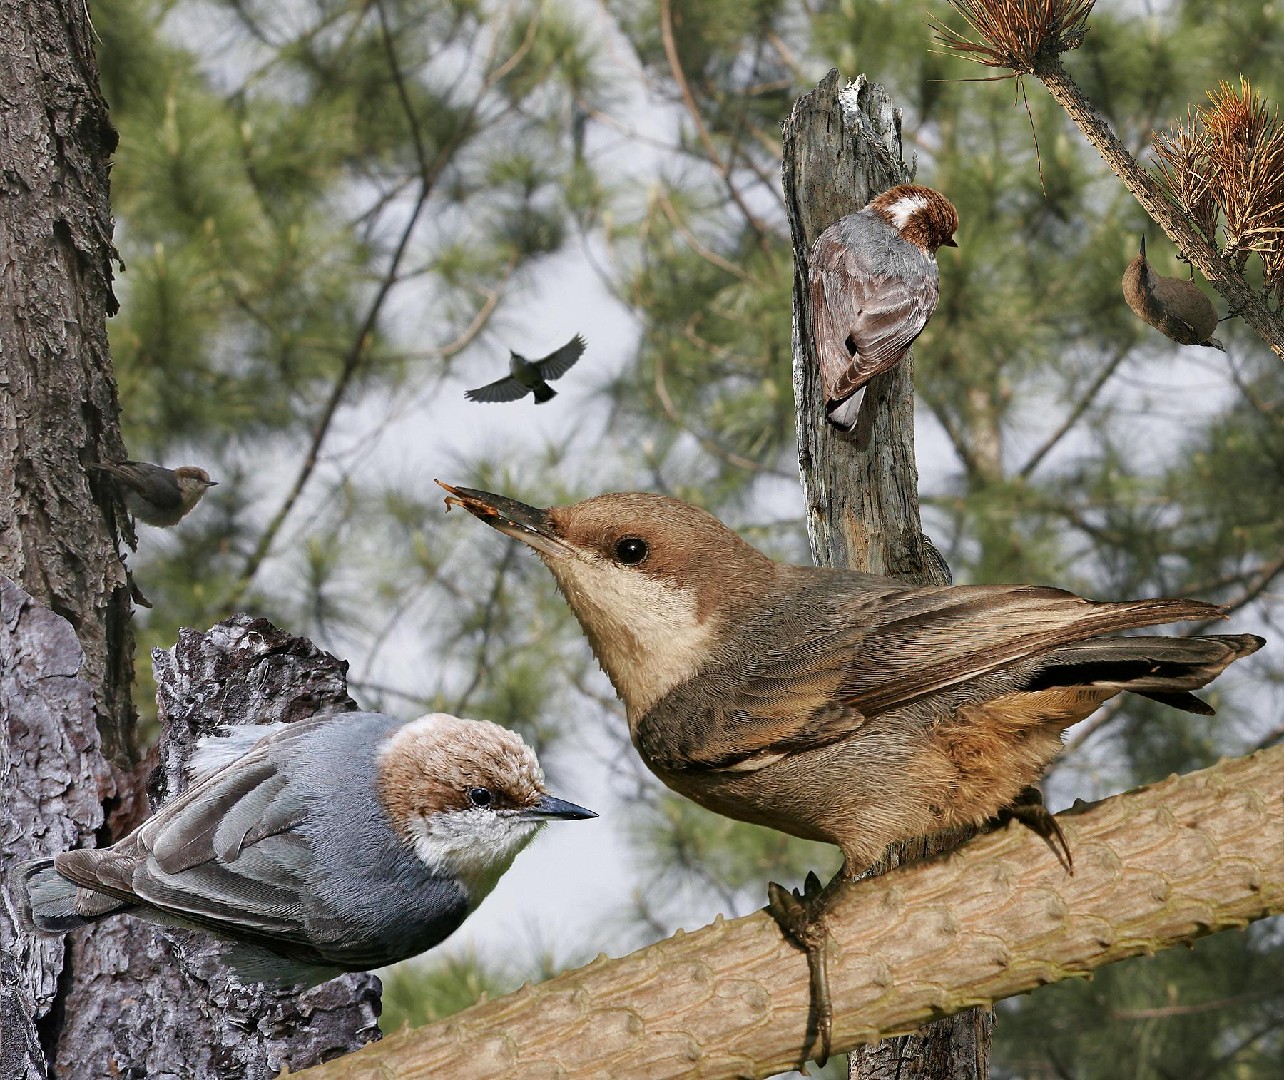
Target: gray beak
[[528, 524], [546, 808]]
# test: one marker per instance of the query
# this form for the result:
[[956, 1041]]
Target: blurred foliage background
[[336, 215]]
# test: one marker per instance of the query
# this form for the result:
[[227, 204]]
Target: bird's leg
[[1028, 809], [801, 916]]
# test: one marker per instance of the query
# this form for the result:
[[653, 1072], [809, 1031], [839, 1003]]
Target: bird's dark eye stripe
[[631, 550]]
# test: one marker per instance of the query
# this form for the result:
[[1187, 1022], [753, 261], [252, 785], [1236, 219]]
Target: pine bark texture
[[66, 756], [1154, 868], [842, 147]]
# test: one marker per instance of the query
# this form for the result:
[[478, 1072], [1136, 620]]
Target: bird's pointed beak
[[529, 524], [547, 808], [951, 242], [1143, 245]]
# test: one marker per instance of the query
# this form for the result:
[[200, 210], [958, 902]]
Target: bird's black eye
[[631, 550], [480, 796]]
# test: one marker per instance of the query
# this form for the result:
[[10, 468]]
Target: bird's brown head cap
[[651, 579], [924, 216]]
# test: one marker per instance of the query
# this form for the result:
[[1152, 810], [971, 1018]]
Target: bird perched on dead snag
[[874, 284], [154, 494], [1177, 308], [531, 376], [835, 705]]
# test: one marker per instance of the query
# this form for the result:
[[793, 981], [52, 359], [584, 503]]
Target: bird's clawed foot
[[1028, 809], [801, 916]]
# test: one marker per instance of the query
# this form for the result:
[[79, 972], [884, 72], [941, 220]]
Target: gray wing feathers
[[557, 364], [160, 483], [871, 294], [505, 389]]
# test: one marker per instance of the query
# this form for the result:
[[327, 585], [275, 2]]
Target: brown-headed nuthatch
[[156, 495], [1177, 308], [340, 843], [529, 376], [835, 705], [874, 284]]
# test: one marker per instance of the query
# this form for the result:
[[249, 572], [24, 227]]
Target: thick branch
[[1220, 274], [1154, 868]]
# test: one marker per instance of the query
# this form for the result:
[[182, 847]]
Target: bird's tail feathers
[[1164, 669], [50, 904], [544, 393]]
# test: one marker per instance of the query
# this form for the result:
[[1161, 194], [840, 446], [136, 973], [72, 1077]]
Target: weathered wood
[[1153, 868], [842, 147]]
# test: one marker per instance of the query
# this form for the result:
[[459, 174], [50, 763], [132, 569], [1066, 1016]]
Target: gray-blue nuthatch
[[154, 494], [530, 375], [874, 284], [340, 843]]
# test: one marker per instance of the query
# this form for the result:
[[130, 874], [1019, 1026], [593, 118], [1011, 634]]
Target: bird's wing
[[556, 364], [159, 483], [900, 646], [505, 389], [867, 317], [226, 854], [924, 641]]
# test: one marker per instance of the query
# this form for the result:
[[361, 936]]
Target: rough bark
[[146, 1001], [1154, 868], [58, 410], [842, 147], [52, 786]]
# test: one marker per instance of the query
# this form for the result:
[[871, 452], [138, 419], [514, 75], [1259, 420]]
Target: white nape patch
[[648, 636], [905, 208], [214, 752], [473, 846]]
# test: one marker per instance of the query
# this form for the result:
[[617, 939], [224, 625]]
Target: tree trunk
[[841, 148], [112, 1001]]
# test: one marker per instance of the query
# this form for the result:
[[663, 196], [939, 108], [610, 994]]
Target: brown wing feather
[[867, 316], [901, 646]]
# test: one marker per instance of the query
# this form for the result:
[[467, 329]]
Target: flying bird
[[343, 842], [154, 494], [1177, 308], [529, 376], [874, 284], [834, 705]]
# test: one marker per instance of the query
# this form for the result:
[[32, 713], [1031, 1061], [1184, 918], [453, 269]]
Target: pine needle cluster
[[1016, 34], [1226, 163]]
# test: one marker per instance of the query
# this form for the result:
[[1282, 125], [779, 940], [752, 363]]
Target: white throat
[[646, 633], [474, 846]]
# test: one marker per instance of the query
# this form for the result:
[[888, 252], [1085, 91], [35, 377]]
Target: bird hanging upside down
[[874, 284], [1177, 308], [531, 376], [835, 705]]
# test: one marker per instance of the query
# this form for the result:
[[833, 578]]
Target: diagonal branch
[[1154, 868]]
